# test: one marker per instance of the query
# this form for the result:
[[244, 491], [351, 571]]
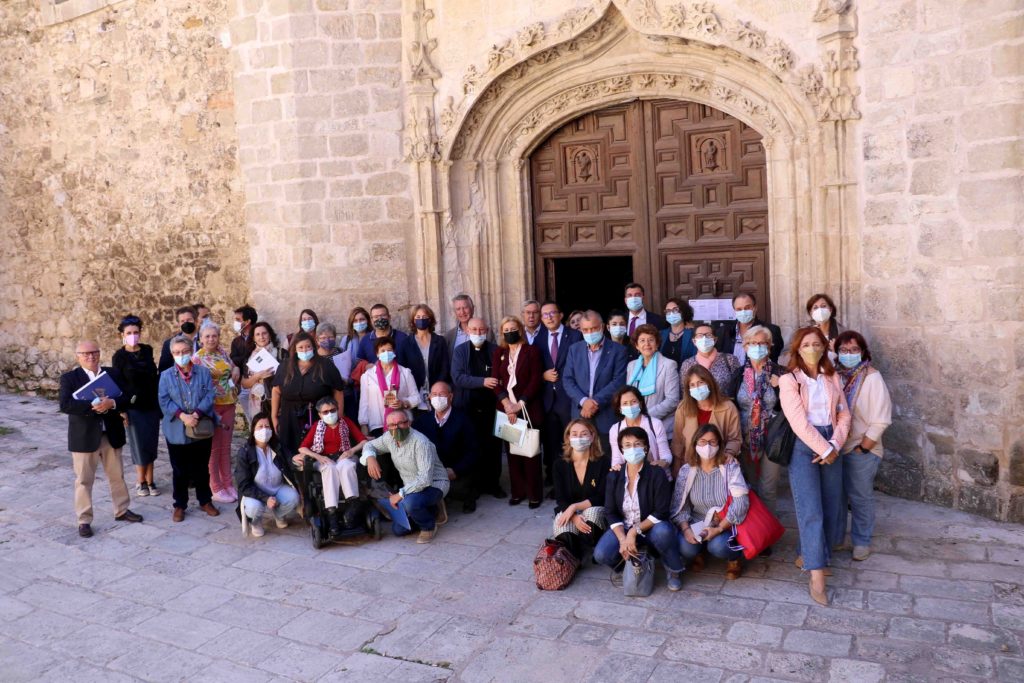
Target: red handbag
[[758, 530], [554, 566]]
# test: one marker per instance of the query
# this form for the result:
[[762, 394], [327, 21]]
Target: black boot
[[572, 543], [353, 511], [332, 522]]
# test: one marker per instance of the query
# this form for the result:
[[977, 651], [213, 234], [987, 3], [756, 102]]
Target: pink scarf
[[708, 361], [384, 385]]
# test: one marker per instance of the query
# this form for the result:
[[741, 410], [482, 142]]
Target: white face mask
[[263, 435], [440, 403], [820, 315], [238, 326], [707, 451]]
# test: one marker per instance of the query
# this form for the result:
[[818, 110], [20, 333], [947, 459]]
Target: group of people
[[654, 428]]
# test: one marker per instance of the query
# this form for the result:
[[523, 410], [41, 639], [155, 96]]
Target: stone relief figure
[[710, 156], [584, 164], [462, 235]]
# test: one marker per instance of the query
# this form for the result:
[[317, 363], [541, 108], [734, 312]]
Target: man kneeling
[[424, 478]]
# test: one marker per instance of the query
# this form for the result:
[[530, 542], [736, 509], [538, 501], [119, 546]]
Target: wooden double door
[[677, 187]]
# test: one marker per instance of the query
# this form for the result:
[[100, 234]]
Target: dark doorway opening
[[596, 282]]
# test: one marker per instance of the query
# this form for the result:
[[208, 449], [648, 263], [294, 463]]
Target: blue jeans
[[421, 508], [662, 536], [287, 501], [818, 499], [859, 471], [717, 546]]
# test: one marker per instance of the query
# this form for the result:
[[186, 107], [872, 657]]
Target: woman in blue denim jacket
[[186, 396]]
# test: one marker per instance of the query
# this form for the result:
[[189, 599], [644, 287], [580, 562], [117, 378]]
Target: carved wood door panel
[[588, 196], [680, 186]]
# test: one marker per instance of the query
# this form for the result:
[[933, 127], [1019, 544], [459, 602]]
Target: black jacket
[[553, 393], [726, 334], [409, 356], [455, 441], [85, 427], [568, 489], [654, 493], [247, 464]]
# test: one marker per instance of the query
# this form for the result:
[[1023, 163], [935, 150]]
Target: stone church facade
[[332, 153]]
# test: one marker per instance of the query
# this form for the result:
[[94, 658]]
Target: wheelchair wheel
[[316, 534]]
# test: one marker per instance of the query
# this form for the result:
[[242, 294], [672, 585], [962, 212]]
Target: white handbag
[[531, 441]]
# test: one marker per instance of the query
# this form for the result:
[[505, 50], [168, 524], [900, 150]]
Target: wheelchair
[[370, 521]]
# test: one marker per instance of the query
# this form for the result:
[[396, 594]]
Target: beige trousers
[[85, 465]]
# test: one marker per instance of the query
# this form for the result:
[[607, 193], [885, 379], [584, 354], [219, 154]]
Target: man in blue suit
[[553, 341], [594, 371]]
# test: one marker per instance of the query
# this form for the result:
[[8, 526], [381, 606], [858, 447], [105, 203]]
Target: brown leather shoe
[[733, 570], [698, 563], [85, 531], [178, 515], [209, 509], [128, 516]]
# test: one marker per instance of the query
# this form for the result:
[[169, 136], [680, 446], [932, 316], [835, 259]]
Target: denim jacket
[[178, 397]]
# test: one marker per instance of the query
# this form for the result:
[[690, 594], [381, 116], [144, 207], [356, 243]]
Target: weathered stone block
[[355, 144], [337, 26], [987, 200], [977, 500], [996, 156], [1007, 59], [1015, 471], [930, 138], [387, 184], [931, 177], [978, 467], [884, 178]]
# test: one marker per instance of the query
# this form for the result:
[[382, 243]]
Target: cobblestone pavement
[[940, 599]]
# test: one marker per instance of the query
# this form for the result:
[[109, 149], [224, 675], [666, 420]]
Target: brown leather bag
[[554, 566]]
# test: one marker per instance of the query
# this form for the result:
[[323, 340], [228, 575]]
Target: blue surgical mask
[[757, 352], [617, 331], [304, 355], [700, 393], [593, 338], [182, 361], [630, 412], [704, 344], [850, 360], [634, 455], [580, 443], [745, 316], [360, 326], [674, 318], [477, 339], [634, 303], [308, 325], [386, 357]]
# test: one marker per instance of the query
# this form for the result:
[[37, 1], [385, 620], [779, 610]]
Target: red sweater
[[332, 437]]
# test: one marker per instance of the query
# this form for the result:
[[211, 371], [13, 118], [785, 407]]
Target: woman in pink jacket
[[813, 400]]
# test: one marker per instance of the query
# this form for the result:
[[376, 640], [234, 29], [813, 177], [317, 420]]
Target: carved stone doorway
[[679, 187]]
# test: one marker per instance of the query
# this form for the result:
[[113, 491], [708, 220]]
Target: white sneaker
[[861, 552], [257, 528], [281, 522], [142, 489], [153, 490], [222, 497]]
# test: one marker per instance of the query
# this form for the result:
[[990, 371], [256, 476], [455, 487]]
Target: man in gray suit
[[464, 309]]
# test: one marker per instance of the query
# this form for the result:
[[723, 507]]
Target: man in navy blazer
[[594, 371], [472, 367], [454, 437], [553, 341], [638, 313], [95, 436]]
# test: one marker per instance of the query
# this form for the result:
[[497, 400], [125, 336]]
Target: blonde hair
[[595, 452], [501, 335]]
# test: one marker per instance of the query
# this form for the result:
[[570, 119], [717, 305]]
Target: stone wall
[[943, 206], [319, 105], [119, 184]]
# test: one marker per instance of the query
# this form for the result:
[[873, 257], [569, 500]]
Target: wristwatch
[[862, 449]]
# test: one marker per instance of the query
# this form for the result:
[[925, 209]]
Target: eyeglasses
[[399, 424], [329, 412], [705, 442], [549, 315], [87, 353], [704, 335]]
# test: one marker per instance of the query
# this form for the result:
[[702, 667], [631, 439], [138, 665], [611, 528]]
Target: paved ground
[[941, 599]]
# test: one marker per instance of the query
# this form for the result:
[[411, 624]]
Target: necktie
[[554, 348], [632, 325]]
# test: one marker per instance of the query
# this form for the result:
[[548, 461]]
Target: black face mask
[[513, 337], [188, 328], [381, 324]]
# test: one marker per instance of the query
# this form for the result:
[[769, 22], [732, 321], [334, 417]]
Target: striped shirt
[[710, 491]]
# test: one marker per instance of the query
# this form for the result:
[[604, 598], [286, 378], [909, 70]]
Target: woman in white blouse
[[871, 408], [385, 387], [631, 410], [655, 375]]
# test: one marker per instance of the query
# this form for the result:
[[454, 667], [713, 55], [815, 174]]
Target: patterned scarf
[[395, 385], [756, 384], [852, 379], [321, 430]]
